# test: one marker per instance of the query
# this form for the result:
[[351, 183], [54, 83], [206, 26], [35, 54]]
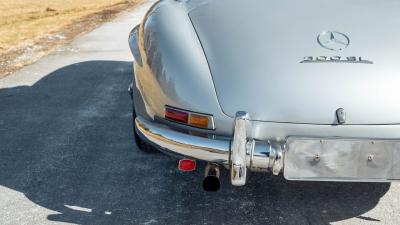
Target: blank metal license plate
[[317, 159]]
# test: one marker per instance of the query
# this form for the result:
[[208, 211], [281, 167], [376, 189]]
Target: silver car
[[309, 88]]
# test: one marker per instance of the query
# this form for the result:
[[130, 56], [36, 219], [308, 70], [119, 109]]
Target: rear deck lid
[[255, 48]]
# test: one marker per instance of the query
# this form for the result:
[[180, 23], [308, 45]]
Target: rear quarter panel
[[175, 70]]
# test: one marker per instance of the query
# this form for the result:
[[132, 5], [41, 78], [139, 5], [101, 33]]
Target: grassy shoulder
[[29, 29]]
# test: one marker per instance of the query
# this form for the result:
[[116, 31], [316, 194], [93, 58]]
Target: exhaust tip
[[211, 184]]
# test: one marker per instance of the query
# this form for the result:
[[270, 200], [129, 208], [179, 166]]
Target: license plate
[[336, 159]]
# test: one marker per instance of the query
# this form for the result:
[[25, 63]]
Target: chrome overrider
[[239, 153]]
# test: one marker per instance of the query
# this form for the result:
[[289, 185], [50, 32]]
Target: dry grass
[[42, 24], [25, 19]]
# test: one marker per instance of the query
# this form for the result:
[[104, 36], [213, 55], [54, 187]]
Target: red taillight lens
[[176, 115], [187, 165]]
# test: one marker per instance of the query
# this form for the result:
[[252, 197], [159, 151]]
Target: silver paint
[[200, 56], [287, 91], [132, 40], [254, 59]]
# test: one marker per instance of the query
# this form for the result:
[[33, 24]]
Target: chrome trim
[[278, 160], [341, 116], [260, 158], [250, 150], [275, 157]]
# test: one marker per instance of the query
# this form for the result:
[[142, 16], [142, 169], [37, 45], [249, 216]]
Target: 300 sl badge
[[335, 41], [335, 59]]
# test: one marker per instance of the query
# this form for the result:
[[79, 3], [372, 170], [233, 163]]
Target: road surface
[[67, 156]]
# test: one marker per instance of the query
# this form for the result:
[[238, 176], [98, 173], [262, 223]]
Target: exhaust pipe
[[211, 181]]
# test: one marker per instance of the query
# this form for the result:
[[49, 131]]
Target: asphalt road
[[67, 156]]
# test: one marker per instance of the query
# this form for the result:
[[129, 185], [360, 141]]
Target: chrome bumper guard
[[248, 153]]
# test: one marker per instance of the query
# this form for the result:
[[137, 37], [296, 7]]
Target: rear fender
[[175, 70]]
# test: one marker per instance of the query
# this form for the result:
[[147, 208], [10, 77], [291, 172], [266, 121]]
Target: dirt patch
[[28, 51]]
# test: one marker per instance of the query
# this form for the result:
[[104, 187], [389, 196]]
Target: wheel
[[142, 145]]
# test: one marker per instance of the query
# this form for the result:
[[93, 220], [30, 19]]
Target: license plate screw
[[370, 158], [317, 157]]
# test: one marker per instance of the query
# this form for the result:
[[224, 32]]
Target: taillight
[[198, 121], [193, 119], [176, 115]]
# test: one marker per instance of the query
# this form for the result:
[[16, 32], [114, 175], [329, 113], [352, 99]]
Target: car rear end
[[274, 90]]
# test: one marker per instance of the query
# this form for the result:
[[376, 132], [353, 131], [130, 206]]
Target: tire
[[142, 145]]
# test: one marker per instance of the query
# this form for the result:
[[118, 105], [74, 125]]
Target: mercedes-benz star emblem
[[333, 40]]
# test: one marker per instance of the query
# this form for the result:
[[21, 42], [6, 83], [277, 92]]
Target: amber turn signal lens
[[198, 121], [176, 115]]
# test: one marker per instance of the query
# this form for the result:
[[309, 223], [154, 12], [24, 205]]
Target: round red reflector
[[187, 165]]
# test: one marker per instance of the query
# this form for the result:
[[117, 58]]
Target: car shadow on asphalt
[[67, 144]]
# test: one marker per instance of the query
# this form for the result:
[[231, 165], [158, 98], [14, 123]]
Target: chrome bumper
[[239, 154], [300, 158]]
